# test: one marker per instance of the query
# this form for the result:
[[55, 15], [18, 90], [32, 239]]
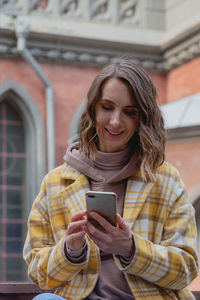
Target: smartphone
[[104, 203]]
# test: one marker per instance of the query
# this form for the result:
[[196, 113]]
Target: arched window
[[22, 167], [12, 193]]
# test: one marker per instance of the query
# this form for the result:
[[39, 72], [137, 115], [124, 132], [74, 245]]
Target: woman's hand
[[75, 234], [116, 240]]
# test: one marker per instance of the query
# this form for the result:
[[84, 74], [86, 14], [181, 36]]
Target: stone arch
[[74, 131], [34, 135]]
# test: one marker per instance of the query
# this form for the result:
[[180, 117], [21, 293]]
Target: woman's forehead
[[114, 89]]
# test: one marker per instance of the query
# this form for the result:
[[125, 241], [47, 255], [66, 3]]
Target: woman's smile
[[114, 134]]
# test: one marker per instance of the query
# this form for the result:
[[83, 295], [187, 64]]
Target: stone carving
[[68, 6], [49, 7], [113, 11], [6, 4], [129, 11], [73, 9], [10, 6], [35, 5], [100, 10]]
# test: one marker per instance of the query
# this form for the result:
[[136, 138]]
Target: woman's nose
[[115, 119]]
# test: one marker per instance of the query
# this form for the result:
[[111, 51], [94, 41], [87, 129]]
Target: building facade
[[50, 51]]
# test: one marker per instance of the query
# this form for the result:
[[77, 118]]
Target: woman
[[150, 254]]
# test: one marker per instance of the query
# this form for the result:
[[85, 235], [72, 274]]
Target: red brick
[[184, 80], [185, 156]]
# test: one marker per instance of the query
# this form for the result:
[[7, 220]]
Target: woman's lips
[[113, 134]]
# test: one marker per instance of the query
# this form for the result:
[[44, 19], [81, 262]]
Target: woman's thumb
[[121, 223]]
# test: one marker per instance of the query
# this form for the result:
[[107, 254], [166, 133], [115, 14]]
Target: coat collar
[[70, 173], [74, 194]]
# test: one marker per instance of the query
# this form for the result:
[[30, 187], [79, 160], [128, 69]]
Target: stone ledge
[[98, 51], [19, 288], [182, 133], [26, 291]]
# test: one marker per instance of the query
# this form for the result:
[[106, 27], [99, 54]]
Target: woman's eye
[[131, 113], [106, 107]]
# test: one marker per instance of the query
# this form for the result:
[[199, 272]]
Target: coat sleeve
[[48, 266], [172, 263]]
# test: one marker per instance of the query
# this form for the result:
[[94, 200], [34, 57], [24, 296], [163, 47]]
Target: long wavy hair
[[150, 137]]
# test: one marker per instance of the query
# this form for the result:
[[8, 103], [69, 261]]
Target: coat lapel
[[136, 195], [74, 194]]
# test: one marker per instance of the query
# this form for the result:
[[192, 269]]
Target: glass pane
[[1, 243], [15, 144], [14, 230], [11, 113], [16, 269], [1, 139], [14, 197], [1, 192], [1, 174], [14, 213], [15, 171], [14, 130], [14, 246], [1, 270], [15, 276], [1, 160], [14, 264]]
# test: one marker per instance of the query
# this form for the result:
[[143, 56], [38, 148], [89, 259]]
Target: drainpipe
[[22, 31]]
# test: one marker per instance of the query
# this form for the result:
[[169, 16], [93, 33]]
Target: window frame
[[34, 134]]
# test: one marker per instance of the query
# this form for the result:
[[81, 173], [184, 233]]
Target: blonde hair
[[150, 138]]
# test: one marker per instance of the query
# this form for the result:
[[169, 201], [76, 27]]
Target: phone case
[[104, 203]]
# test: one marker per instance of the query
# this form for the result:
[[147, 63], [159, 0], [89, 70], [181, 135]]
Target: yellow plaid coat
[[162, 223]]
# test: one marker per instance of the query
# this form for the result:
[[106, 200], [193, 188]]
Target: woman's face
[[117, 116]]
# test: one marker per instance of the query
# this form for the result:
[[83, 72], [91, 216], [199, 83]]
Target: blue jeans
[[48, 296]]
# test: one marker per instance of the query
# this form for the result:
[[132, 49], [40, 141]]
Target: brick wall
[[185, 156], [70, 84], [183, 81], [161, 85]]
